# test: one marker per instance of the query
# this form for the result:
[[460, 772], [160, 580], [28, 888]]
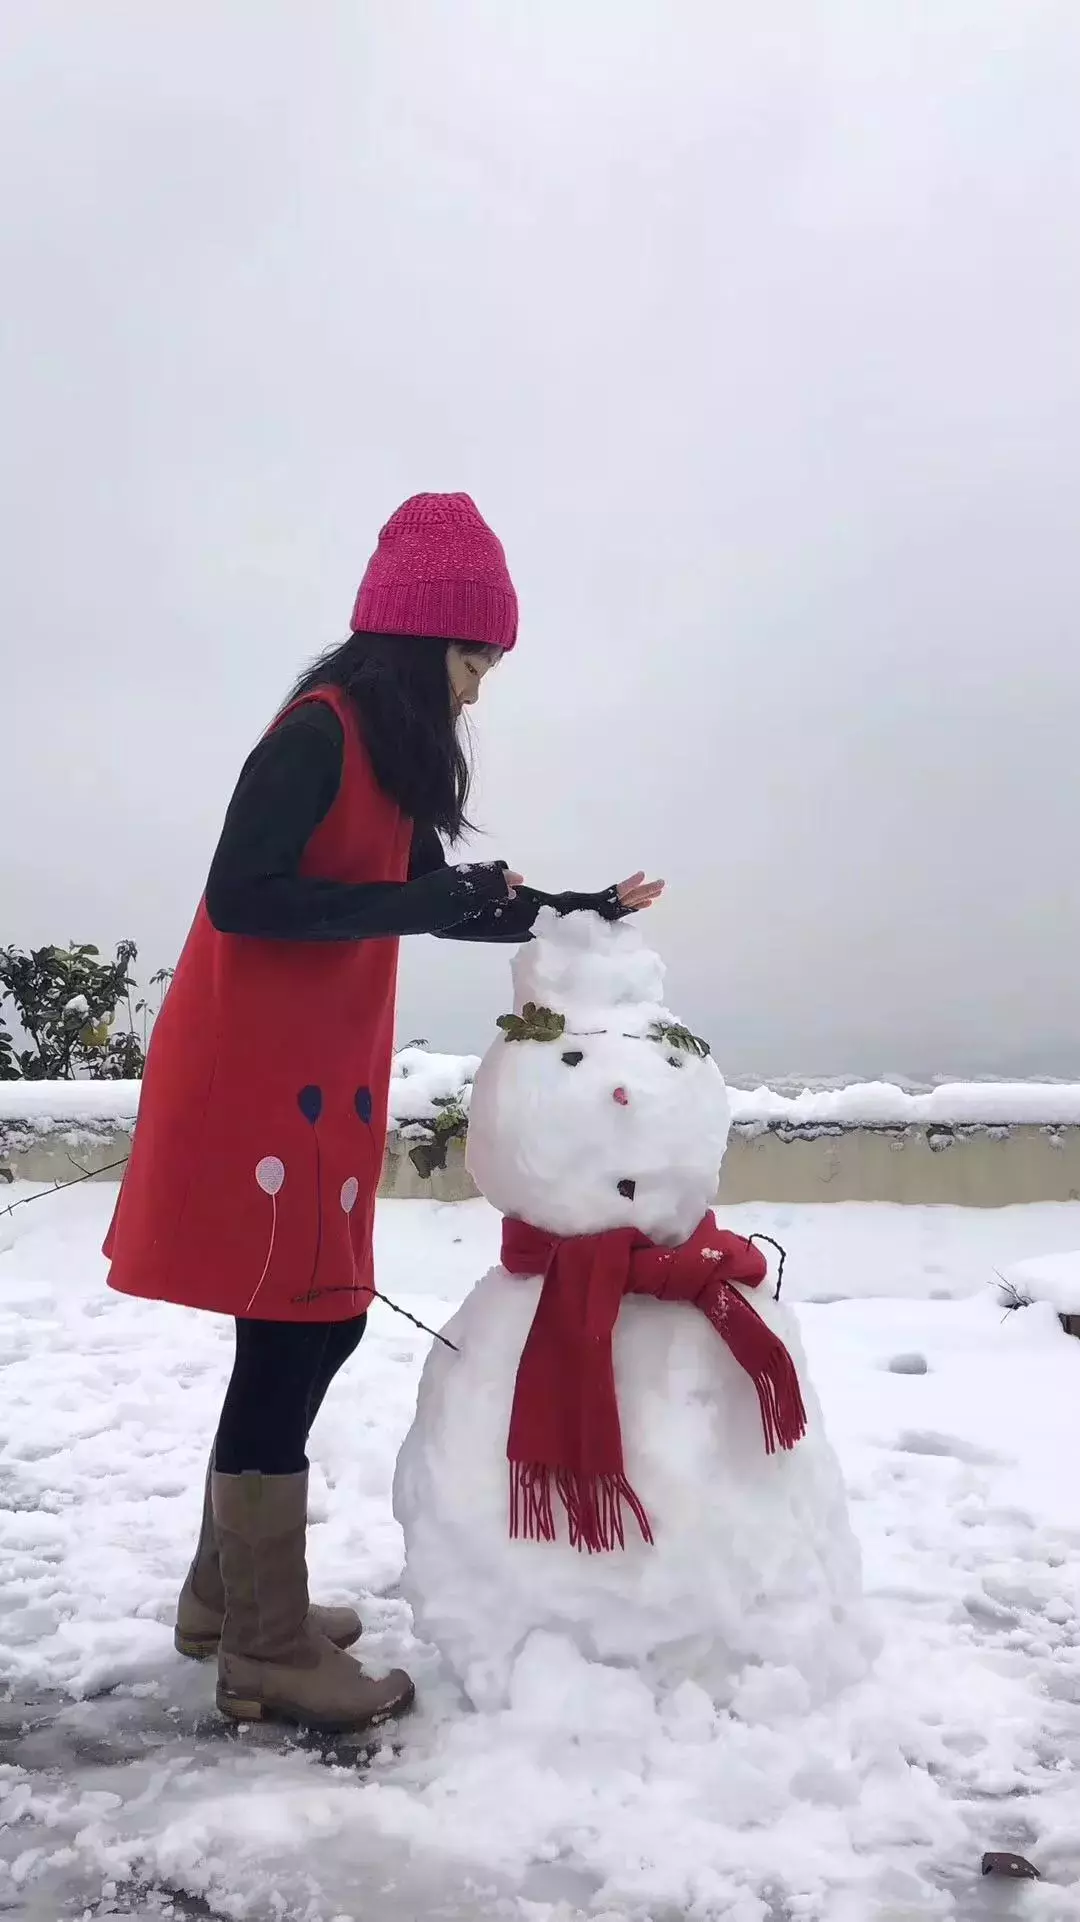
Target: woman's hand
[[513, 882], [637, 893]]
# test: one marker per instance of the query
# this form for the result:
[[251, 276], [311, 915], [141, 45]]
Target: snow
[[47, 1102], [584, 967], [880, 1104], [1051, 1278], [753, 1561], [546, 1129], [870, 1104], [422, 1083], [586, 1796]]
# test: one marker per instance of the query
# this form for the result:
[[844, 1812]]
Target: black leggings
[[281, 1373]]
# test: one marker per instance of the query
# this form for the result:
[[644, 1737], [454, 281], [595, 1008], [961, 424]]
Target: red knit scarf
[[564, 1427]]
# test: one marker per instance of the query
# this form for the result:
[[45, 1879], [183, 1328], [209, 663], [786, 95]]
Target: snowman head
[[594, 1109]]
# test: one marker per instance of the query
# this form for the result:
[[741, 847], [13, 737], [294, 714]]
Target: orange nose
[[620, 1095]]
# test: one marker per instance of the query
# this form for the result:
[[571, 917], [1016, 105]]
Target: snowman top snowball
[[602, 1117]]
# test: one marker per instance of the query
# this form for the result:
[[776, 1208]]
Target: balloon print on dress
[[350, 1190], [309, 1100], [270, 1177], [270, 1174]]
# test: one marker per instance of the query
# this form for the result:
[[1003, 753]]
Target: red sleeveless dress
[[262, 1119]]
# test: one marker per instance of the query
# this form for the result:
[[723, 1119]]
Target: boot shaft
[[261, 1527]]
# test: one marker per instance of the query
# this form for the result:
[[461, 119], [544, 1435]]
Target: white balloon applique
[[270, 1176], [350, 1189]]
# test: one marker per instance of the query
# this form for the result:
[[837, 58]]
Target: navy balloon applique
[[309, 1100]]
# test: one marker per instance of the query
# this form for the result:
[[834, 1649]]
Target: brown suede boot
[[272, 1663], [201, 1608]]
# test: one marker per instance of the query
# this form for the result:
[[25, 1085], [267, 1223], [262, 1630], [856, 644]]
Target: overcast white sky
[[755, 331]]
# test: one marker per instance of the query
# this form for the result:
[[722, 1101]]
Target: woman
[[251, 1186]]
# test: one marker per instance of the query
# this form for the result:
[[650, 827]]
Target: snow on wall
[[423, 1083], [48, 1104], [421, 1086], [881, 1104]]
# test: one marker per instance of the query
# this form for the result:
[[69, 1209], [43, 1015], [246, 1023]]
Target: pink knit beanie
[[438, 570]]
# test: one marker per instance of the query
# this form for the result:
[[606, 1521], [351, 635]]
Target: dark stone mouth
[[628, 1189]]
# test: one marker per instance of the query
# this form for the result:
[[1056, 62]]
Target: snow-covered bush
[[429, 1102]]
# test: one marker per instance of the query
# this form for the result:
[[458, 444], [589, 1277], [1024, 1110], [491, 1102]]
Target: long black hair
[[399, 686]]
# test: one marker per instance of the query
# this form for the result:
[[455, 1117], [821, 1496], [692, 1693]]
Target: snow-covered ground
[[957, 1426]]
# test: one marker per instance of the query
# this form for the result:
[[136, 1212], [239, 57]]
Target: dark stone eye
[[574, 1058], [674, 1061]]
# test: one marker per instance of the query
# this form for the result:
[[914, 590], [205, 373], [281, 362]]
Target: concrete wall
[[60, 1155], [969, 1167], [975, 1167]]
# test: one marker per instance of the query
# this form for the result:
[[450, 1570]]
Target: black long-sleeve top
[[286, 787]]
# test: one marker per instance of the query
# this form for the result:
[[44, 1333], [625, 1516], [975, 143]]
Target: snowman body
[[607, 1123]]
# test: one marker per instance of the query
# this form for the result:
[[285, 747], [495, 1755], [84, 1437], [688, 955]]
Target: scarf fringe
[[532, 1518], [783, 1412], [593, 1505], [767, 1362]]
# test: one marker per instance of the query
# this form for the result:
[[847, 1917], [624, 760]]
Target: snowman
[[622, 1447]]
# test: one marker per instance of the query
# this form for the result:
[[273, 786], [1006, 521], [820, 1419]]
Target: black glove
[[606, 904]]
